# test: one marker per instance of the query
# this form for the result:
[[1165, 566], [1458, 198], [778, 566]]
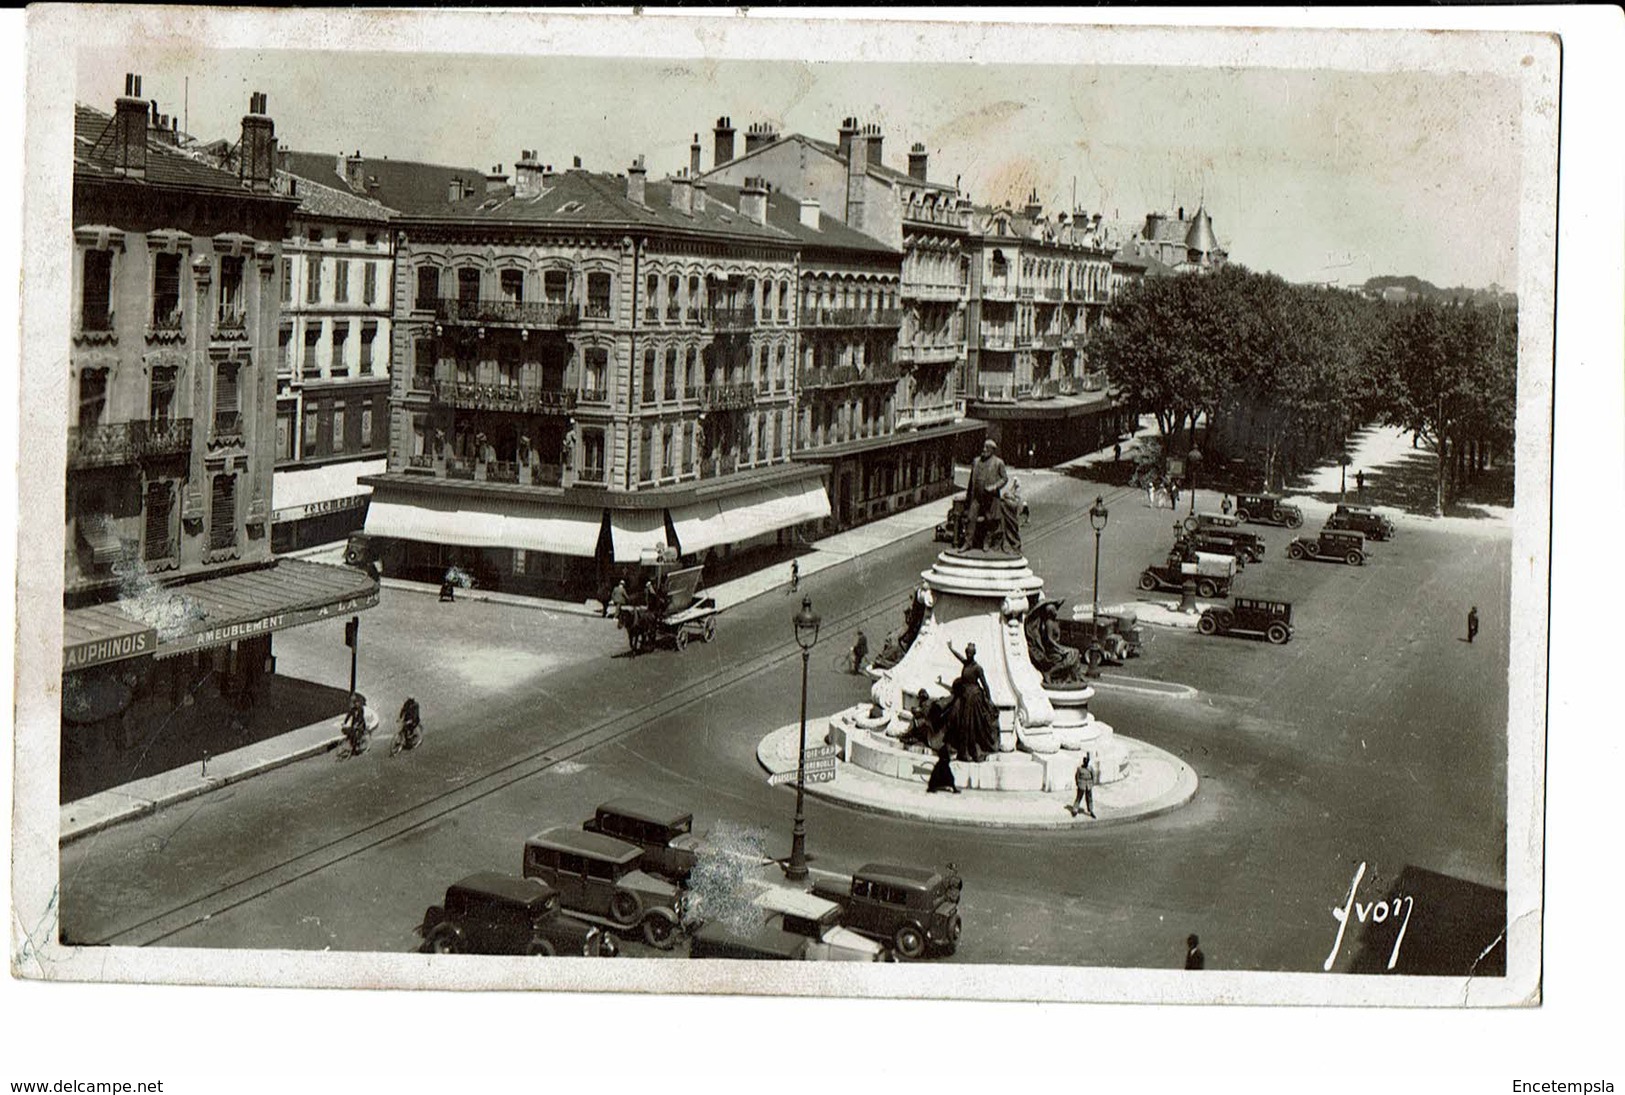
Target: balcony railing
[[651, 315], [731, 319], [1025, 293], [167, 327], [503, 397], [858, 317], [842, 376], [724, 397], [928, 353], [1049, 342], [501, 472], [1022, 341], [592, 473], [593, 395], [597, 308], [126, 442], [459, 469], [932, 290], [921, 417], [231, 322], [1053, 293], [227, 426], [520, 313]]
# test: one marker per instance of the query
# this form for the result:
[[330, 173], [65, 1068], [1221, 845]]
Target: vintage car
[[1226, 525], [1098, 641], [1339, 547], [1214, 574], [1362, 519], [1268, 509], [665, 833], [1213, 543], [913, 909], [490, 913], [1127, 627], [1249, 616], [598, 878], [818, 921]]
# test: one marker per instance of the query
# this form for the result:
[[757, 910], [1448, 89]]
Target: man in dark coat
[[1472, 623], [988, 477], [1194, 958], [942, 774]]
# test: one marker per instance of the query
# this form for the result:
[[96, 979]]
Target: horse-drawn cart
[[673, 610]]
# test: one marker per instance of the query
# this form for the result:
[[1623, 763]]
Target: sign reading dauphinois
[[100, 651]]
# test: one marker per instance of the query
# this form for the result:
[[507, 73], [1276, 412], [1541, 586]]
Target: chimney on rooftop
[[849, 127], [699, 196], [527, 176], [495, 180], [694, 156], [636, 177], [130, 130], [355, 171], [256, 156], [1033, 207], [575, 162], [682, 194], [753, 200], [875, 139], [857, 176], [282, 158], [917, 161], [760, 135], [723, 152], [809, 213]]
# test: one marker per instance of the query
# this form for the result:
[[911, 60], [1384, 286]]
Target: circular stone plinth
[[1154, 782]]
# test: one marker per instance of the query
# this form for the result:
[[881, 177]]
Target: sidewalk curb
[[140, 807], [1145, 685], [1173, 800]]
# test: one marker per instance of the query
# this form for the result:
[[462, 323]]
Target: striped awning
[[634, 530], [744, 516]]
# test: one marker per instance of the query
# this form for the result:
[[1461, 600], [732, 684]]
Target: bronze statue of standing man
[[983, 502]]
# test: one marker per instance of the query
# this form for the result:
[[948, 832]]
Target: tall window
[[231, 291], [287, 281], [468, 285], [597, 370], [508, 365], [92, 397], [648, 376], [369, 283], [598, 295], [692, 311], [667, 455], [158, 542], [645, 455], [341, 339], [284, 433], [369, 335], [166, 291], [592, 455], [223, 512], [366, 427], [284, 349], [428, 286], [467, 364], [313, 279], [556, 286], [683, 455], [341, 281], [423, 359], [227, 415], [312, 424], [673, 288], [671, 374], [338, 426], [161, 399], [313, 339], [651, 298], [96, 293], [513, 285]]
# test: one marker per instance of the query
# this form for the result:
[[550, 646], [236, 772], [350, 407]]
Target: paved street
[[1376, 735]]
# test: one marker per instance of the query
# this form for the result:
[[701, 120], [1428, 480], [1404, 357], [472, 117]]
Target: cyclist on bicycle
[[410, 734]]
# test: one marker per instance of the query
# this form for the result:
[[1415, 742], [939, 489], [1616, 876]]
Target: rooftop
[[406, 186], [167, 164]]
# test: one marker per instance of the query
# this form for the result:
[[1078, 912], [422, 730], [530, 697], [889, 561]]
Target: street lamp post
[[1097, 521], [1194, 457], [806, 625], [1343, 474]]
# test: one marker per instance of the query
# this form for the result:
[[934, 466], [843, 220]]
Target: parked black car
[[914, 909], [1362, 519], [490, 913], [1171, 577], [1249, 616], [1226, 525], [1339, 547], [1268, 509]]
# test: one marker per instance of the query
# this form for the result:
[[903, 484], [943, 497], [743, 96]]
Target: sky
[[1317, 175]]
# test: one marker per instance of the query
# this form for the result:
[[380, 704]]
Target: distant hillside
[[1391, 285]]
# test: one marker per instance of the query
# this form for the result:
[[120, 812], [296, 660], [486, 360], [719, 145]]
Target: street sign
[[781, 777], [821, 751], [823, 775], [821, 770]]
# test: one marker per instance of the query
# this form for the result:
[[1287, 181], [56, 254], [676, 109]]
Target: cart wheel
[[681, 638], [1207, 625], [1148, 581], [1277, 634], [710, 631]]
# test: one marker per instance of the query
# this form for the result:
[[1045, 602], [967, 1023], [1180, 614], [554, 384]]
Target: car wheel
[[1294, 520], [1277, 634], [910, 941], [1356, 558], [1243, 516], [1206, 625], [445, 939], [1148, 581], [660, 931], [1093, 656], [1294, 551], [1207, 589], [955, 927], [624, 908], [541, 948], [1190, 524]]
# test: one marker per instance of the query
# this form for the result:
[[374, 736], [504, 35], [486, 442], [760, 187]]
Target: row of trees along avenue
[[1281, 373]]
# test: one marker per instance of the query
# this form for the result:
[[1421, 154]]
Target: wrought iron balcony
[[928, 353], [731, 319], [728, 397], [1025, 293], [502, 397], [593, 395], [167, 326], [1049, 342], [1053, 293], [126, 442], [844, 376], [858, 317], [518, 313], [227, 428], [231, 322]]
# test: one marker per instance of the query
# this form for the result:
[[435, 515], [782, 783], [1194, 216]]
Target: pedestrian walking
[[795, 576], [1085, 779], [1472, 623], [1194, 958], [1150, 493], [1226, 506], [1117, 452], [1173, 496], [448, 589], [860, 652], [618, 598], [942, 773], [1359, 482]]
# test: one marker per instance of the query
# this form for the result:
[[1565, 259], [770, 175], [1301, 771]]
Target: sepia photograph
[[613, 503]]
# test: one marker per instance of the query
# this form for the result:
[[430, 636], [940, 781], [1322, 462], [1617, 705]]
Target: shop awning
[[97, 634], [488, 522], [633, 530], [747, 515], [217, 611], [311, 492]]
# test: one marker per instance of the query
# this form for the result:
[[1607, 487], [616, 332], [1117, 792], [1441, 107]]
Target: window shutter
[[160, 512], [223, 512]]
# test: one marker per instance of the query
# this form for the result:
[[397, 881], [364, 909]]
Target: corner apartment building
[[169, 584], [590, 366]]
